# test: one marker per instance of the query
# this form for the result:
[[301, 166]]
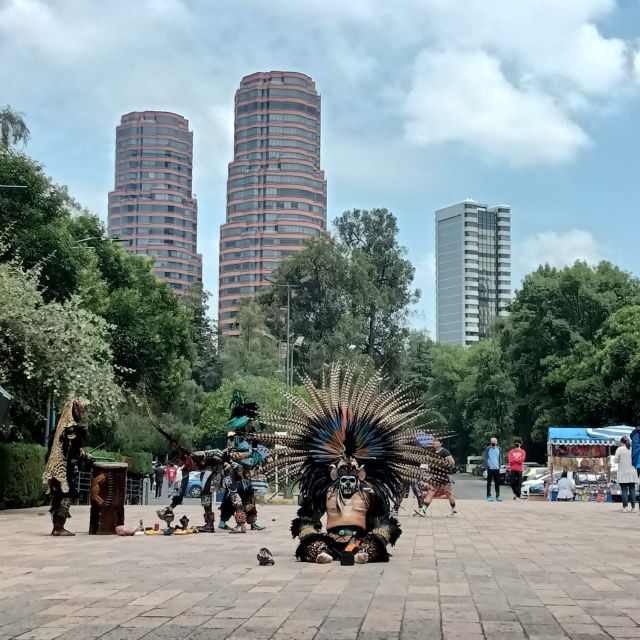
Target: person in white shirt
[[626, 474], [566, 488]]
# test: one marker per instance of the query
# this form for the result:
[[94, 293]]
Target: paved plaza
[[510, 570]]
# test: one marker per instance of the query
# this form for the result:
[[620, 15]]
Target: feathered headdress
[[241, 412], [350, 421]]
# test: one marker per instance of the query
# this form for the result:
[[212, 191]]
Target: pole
[[47, 425], [288, 336]]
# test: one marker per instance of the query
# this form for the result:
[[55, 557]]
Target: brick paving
[[499, 571]]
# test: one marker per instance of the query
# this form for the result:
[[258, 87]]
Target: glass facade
[[276, 191], [473, 270], [154, 161]]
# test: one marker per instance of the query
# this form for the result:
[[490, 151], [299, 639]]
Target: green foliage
[[140, 462], [254, 351], [548, 342], [101, 455], [353, 301], [52, 348], [268, 393], [109, 323], [13, 128], [21, 467]]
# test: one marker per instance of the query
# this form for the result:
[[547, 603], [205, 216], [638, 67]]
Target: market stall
[[586, 455]]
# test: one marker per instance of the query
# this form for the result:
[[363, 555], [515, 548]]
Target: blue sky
[[534, 103]]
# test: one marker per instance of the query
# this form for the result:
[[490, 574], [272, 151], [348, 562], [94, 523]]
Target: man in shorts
[[439, 481]]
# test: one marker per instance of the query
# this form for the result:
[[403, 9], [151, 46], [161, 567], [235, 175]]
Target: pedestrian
[[516, 458], [566, 488], [493, 462], [171, 473], [439, 481], [158, 474], [627, 474], [634, 436]]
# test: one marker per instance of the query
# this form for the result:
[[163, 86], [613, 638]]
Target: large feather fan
[[350, 419]]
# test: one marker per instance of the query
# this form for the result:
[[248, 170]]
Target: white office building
[[473, 270]]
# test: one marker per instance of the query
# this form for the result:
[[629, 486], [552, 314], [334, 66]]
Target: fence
[[137, 489]]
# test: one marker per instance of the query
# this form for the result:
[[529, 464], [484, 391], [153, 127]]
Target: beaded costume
[[351, 447], [240, 458]]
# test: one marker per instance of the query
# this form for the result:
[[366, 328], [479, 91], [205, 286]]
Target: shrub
[[100, 455], [140, 462], [21, 467]]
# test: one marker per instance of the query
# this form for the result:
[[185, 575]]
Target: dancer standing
[[439, 484], [59, 473]]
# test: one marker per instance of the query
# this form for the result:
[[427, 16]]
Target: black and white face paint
[[348, 486]]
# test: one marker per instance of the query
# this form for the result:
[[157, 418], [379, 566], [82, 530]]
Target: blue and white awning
[[613, 434]]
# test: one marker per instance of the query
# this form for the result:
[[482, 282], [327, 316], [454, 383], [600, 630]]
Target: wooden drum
[[108, 493]]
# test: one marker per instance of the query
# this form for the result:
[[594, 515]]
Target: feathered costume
[[59, 473], [352, 448], [240, 457]]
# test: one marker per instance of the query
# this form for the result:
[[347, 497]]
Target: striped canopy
[[574, 435], [613, 433]]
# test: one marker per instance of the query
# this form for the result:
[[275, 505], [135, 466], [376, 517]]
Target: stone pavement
[[511, 570]]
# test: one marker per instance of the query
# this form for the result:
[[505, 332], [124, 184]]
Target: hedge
[[100, 455], [140, 462], [21, 467]]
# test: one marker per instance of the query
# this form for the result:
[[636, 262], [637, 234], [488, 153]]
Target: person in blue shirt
[[634, 436], [493, 462]]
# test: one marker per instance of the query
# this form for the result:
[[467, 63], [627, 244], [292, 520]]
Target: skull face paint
[[348, 486]]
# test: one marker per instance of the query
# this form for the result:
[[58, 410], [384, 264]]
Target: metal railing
[[137, 489]]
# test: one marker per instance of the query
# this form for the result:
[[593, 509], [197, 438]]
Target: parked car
[[473, 462], [196, 483], [503, 473], [536, 486], [616, 492]]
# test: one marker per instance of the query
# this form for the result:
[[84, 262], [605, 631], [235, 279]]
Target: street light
[[289, 353], [14, 186]]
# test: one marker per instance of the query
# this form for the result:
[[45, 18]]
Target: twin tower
[[276, 191]]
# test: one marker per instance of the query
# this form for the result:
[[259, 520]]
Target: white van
[[473, 462]]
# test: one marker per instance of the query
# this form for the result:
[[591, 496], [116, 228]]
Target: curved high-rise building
[[152, 208], [276, 191]]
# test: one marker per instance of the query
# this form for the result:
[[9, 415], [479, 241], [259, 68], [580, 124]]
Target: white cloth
[[565, 489], [626, 471]]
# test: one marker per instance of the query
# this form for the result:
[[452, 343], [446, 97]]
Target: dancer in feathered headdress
[[352, 447]]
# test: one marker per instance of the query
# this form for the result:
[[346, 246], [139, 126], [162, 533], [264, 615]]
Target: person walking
[[627, 474], [493, 462], [516, 458], [158, 474], [634, 437]]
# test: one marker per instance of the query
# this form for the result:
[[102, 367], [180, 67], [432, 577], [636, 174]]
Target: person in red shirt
[[516, 459], [171, 473]]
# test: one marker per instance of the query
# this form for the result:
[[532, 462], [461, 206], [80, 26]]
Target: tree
[[320, 309], [268, 393], [13, 128], [381, 281], [556, 314], [206, 369], [488, 395], [51, 349], [255, 350]]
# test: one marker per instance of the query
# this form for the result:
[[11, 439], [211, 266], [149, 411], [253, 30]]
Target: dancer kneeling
[[350, 448]]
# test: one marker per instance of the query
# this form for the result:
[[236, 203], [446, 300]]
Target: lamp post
[[289, 352]]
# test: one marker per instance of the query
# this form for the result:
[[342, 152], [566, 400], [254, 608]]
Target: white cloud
[[558, 249], [510, 81], [465, 97]]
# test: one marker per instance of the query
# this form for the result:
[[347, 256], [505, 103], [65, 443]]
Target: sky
[[534, 103]]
